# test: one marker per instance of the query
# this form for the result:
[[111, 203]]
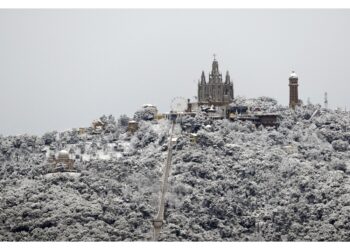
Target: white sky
[[61, 69]]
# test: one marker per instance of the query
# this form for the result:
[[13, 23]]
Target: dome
[[63, 155], [293, 75]]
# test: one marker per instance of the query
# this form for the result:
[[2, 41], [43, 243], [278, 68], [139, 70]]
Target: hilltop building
[[216, 101], [215, 92], [293, 90]]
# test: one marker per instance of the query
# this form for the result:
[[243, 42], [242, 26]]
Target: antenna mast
[[325, 100]]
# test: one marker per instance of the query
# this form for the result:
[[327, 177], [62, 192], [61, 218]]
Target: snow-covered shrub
[[340, 145], [123, 121], [145, 114]]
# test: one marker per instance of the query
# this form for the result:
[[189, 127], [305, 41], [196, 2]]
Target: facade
[[133, 126], [215, 92], [293, 90], [64, 159], [266, 119]]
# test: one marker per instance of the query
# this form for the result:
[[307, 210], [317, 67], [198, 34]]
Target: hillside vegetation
[[237, 183]]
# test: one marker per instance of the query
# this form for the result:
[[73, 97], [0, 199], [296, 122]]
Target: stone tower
[[293, 90], [216, 91]]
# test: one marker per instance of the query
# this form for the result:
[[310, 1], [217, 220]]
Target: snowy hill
[[236, 183]]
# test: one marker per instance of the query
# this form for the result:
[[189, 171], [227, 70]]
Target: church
[[216, 91]]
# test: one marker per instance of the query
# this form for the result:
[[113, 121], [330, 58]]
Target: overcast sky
[[61, 69]]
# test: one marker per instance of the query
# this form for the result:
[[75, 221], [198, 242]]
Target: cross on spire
[[214, 55]]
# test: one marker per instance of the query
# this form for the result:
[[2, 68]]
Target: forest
[[236, 182]]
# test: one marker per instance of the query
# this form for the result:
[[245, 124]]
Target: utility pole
[[325, 100]]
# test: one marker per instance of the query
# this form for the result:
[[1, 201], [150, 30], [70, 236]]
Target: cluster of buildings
[[220, 93], [215, 97], [61, 163]]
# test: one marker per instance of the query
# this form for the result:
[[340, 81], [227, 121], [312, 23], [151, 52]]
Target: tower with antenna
[[325, 100]]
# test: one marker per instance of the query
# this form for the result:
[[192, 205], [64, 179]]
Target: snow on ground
[[236, 183]]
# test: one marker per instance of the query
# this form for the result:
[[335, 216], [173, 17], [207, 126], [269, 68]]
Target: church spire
[[215, 67], [227, 80], [203, 78]]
